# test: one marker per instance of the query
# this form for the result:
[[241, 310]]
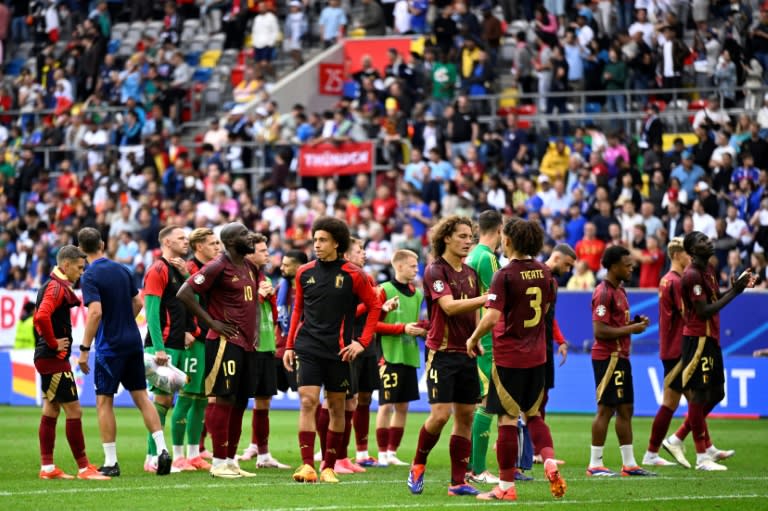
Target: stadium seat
[[525, 110], [113, 46], [659, 103], [192, 58], [202, 74], [210, 58], [237, 75], [591, 108], [138, 27], [699, 104], [14, 67]]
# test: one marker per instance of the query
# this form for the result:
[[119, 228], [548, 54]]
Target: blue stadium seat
[[591, 108], [192, 58], [14, 67], [113, 46], [202, 75]]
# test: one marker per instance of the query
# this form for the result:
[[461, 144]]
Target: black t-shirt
[[462, 126]]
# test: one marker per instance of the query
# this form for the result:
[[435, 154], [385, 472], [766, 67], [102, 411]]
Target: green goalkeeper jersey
[[484, 261]]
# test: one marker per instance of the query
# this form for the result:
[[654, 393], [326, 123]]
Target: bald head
[[230, 232]]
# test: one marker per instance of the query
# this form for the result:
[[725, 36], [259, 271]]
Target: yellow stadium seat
[[508, 97], [210, 58], [667, 139]]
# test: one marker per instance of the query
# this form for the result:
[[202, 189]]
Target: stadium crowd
[[117, 159]]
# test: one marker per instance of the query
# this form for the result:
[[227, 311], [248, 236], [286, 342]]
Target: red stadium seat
[[237, 75], [525, 110], [699, 104], [659, 103]]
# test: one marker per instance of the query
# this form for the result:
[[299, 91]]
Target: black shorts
[[398, 383], [549, 370], [110, 372], [516, 390], [59, 387], [365, 373], [285, 380], [266, 374], [702, 361], [229, 370], [334, 375], [673, 374], [613, 381], [452, 378]]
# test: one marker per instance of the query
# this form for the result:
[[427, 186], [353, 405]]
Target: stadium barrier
[[745, 380]]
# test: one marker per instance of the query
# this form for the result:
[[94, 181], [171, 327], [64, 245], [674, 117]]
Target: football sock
[[162, 412], [110, 454], [217, 419], [322, 419], [426, 442], [685, 428], [460, 450], [481, 435], [159, 439], [343, 452], [307, 447], [382, 439], [395, 436], [47, 435], [506, 453], [260, 432], [332, 447], [196, 423], [506, 485], [698, 426], [541, 437], [596, 456], [659, 427], [74, 431], [178, 452], [627, 456], [193, 451], [362, 423], [48, 468], [179, 419], [674, 439], [235, 430]]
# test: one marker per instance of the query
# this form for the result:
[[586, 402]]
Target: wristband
[[83, 347]]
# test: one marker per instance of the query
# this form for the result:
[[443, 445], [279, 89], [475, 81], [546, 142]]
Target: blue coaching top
[[111, 284]]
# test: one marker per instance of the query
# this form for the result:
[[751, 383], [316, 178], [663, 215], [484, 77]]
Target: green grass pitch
[[743, 487]]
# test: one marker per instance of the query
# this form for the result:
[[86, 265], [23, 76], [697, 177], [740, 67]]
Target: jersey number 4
[[535, 304]]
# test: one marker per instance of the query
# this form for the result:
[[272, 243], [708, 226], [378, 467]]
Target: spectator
[[583, 278], [652, 222], [294, 31], [629, 219], [651, 261], [703, 221], [615, 79], [554, 164], [332, 22], [688, 174], [264, 38]]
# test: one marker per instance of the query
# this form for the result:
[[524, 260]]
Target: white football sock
[[674, 440], [178, 452], [596, 456], [506, 485], [48, 468], [261, 458], [159, 439], [110, 454], [193, 451], [712, 450], [217, 462], [362, 455], [628, 456], [252, 447], [702, 456]]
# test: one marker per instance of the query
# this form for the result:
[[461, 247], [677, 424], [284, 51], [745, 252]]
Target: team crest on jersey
[[491, 297], [600, 311], [438, 286], [198, 279], [697, 290], [339, 280]]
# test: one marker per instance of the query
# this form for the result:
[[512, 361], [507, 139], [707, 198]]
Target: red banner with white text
[[323, 160]]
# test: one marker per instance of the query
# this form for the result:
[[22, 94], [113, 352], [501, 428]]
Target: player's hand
[[474, 347], [744, 281], [228, 330], [563, 350], [416, 331], [391, 304], [189, 339], [179, 263], [639, 328], [161, 357], [349, 352], [62, 343], [83, 362], [289, 358], [265, 288]]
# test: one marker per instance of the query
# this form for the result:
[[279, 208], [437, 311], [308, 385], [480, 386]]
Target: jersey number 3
[[535, 305]]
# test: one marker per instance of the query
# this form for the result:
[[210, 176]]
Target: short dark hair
[[166, 231], [444, 228], [89, 240], [69, 253], [489, 220], [258, 238], [690, 240], [336, 228], [527, 237], [565, 249], [613, 255], [297, 255]]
